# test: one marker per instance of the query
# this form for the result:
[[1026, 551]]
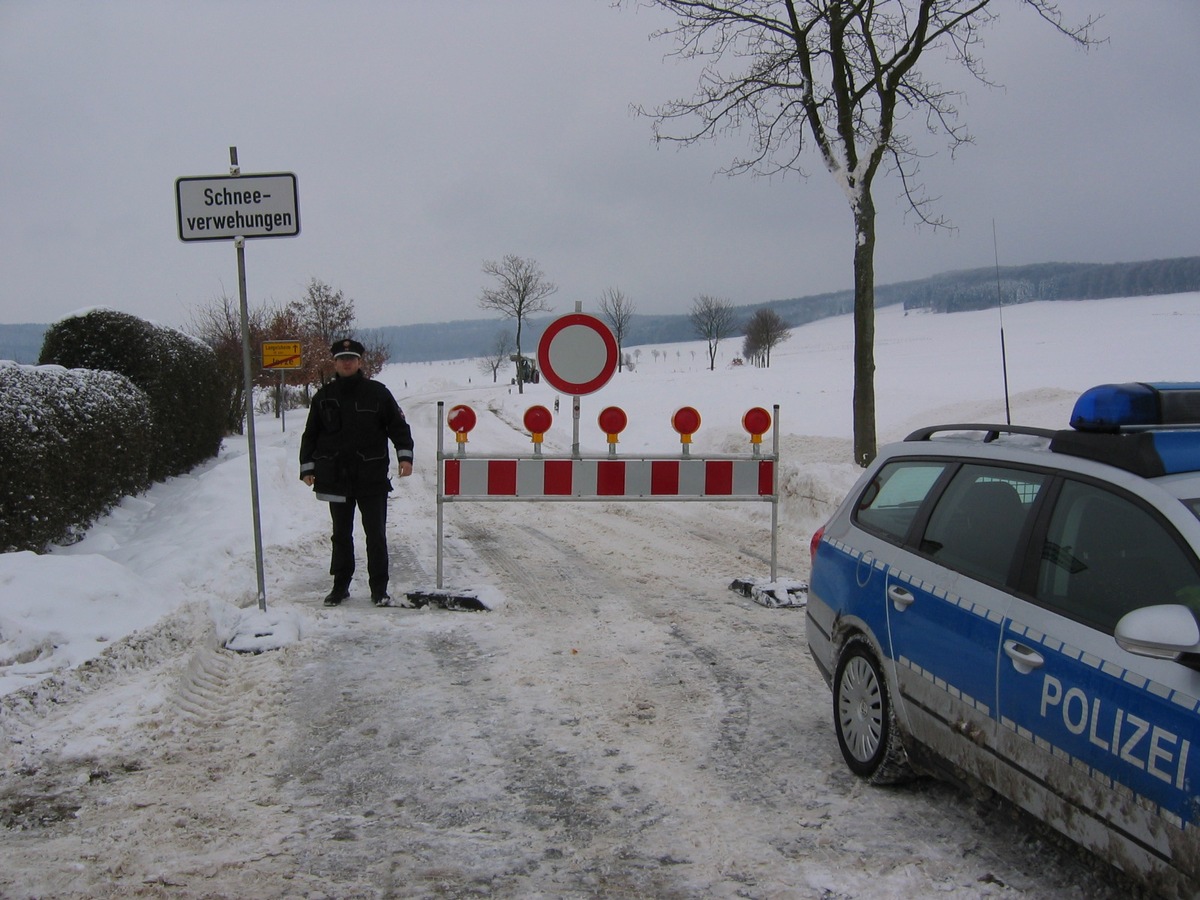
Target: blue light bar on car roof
[[1136, 406]]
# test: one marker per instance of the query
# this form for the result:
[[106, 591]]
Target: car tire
[[864, 718]]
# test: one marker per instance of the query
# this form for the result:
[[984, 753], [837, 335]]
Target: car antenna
[[1000, 304]]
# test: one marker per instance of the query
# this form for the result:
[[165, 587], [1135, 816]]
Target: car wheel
[[863, 716]]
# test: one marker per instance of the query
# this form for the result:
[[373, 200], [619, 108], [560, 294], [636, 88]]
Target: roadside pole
[[237, 207], [248, 380]]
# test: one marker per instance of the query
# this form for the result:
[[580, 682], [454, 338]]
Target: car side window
[[1105, 555], [891, 500], [978, 520]]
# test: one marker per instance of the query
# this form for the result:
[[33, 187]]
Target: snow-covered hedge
[[177, 373], [72, 442]]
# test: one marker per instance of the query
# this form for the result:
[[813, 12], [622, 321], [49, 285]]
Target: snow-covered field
[[620, 725]]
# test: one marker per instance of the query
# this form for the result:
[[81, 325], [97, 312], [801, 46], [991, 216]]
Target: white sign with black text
[[223, 207]]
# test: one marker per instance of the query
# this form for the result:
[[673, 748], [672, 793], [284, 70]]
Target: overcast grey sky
[[430, 135]]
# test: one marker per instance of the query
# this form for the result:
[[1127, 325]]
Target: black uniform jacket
[[344, 445]]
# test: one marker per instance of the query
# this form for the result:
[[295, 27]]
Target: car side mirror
[[1161, 632]]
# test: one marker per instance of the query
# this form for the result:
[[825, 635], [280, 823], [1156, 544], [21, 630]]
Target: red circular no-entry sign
[[577, 354]]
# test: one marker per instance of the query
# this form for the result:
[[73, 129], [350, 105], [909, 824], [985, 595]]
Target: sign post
[[281, 355], [237, 207]]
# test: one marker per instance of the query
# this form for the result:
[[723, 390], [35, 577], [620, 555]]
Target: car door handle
[[1025, 659], [900, 596]]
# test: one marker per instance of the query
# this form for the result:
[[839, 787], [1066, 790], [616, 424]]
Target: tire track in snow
[[689, 708]]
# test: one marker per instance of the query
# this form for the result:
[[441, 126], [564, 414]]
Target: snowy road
[[622, 726]]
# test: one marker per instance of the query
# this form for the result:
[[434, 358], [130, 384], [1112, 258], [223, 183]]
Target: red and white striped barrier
[[540, 478], [545, 478]]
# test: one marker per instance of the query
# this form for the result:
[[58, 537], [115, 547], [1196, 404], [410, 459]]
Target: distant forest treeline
[[977, 289], [949, 292]]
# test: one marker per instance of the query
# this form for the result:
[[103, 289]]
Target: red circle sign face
[[756, 420], [538, 419], [461, 419], [686, 420], [577, 354], [612, 420]]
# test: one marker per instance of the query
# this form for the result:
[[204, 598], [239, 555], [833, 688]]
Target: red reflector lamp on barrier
[[461, 420], [686, 421], [612, 421], [537, 422], [757, 422]]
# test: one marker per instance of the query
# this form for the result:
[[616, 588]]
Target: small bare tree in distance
[[496, 355], [618, 309], [751, 352], [323, 315], [714, 320], [765, 331], [521, 290], [378, 352], [220, 326]]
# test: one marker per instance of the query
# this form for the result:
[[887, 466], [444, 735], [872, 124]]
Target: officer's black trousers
[[373, 511]]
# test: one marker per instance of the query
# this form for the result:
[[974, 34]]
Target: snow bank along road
[[622, 726]]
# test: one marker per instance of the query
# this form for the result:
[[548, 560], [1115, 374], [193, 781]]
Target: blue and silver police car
[[1019, 607]]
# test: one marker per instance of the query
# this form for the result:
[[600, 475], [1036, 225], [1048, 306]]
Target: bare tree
[[713, 319], [322, 315], [751, 351], [838, 75], [522, 289], [496, 355], [377, 354], [219, 325], [765, 331], [618, 309]]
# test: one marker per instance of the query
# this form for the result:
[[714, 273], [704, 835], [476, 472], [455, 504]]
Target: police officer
[[344, 457]]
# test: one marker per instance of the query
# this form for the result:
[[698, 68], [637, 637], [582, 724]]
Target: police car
[[1019, 607]]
